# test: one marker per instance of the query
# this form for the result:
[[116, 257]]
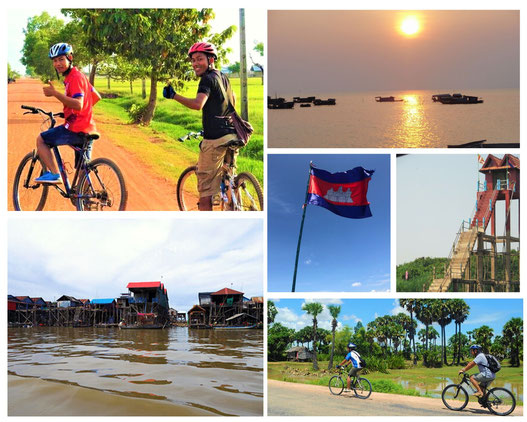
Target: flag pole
[[301, 228]]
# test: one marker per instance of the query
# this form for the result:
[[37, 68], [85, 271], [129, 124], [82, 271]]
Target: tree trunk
[[330, 365], [93, 71], [151, 106], [108, 82], [315, 362], [143, 84], [131, 86]]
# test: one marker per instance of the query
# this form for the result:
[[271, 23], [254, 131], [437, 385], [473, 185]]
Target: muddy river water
[[107, 371]]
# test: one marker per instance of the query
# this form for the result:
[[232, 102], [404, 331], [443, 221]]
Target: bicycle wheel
[[362, 388], [102, 188], [336, 385], [455, 397], [28, 195], [500, 401], [187, 190], [248, 193]]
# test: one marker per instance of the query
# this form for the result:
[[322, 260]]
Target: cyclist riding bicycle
[[217, 131], [79, 98], [485, 375], [352, 357]]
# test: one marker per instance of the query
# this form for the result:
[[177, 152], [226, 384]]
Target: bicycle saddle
[[91, 136], [236, 143]]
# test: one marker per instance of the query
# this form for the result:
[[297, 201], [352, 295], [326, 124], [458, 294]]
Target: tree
[[12, 74], [459, 312], [334, 311], [483, 337], [513, 334], [271, 312], [410, 306], [259, 48], [425, 315], [158, 38], [40, 33], [235, 68], [278, 341], [442, 314], [313, 309]]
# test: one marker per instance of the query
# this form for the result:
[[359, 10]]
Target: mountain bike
[[498, 400], [360, 385], [240, 192], [98, 185]]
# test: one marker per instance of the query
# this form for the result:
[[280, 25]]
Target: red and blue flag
[[342, 193]]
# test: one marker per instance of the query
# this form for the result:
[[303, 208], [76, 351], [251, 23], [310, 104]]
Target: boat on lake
[[305, 105], [235, 327], [456, 99], [329, 101], [303, 99], [279, 103], [387, 100]]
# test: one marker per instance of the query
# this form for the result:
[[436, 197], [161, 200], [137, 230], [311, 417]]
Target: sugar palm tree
[[442, 315], [334, 311], [513, 333], [314, 309], [459, 312], [409, 305]]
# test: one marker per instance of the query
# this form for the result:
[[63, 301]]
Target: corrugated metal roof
[[227, 291], [102, 301], [144, 285]]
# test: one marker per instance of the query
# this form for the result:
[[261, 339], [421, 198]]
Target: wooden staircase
[[458, 262], [486, 203]]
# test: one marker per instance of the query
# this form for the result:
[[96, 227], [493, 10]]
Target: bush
[[432, 359], [375, 363], [396, 362], [136, 112]]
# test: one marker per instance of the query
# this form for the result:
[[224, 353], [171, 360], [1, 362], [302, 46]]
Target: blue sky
[[492, 312], [96, 258], [337, 254], [435, 193], [255, 21]]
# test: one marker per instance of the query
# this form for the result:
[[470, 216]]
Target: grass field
[[159, 147], [413, 381]]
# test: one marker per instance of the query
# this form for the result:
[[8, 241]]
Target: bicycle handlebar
[[189, 135], [35, 110]]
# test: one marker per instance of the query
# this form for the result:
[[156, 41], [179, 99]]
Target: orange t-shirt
[[78, 86]]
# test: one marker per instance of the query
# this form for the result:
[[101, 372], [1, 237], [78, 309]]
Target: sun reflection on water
[[413, 129]]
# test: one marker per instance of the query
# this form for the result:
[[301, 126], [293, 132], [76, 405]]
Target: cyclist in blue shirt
[[485, 376], [352, 357]]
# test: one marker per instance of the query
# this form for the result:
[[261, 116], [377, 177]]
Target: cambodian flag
[[342, 193]]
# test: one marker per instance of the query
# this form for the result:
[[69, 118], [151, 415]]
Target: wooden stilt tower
[[502, 183]]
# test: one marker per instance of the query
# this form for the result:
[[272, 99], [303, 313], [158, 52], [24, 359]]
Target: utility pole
[[244, 111]]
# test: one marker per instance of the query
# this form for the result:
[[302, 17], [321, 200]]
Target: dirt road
[[291, 399], [146, 190]]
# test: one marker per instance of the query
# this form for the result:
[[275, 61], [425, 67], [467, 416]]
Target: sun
[[410, 25]]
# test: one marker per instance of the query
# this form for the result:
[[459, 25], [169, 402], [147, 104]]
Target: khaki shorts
[[213, 153]]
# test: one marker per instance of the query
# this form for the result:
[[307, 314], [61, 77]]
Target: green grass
[[172, 120], [411, 381]]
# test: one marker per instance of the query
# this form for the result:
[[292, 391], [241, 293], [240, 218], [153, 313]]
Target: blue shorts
[[59, 135]]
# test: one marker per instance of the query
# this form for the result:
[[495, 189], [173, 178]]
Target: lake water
[[97, 371], [357, 121]]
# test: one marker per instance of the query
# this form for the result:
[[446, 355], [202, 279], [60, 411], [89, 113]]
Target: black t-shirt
[[215, 127]]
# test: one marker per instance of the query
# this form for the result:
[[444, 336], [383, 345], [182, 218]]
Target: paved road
[[290, 399]]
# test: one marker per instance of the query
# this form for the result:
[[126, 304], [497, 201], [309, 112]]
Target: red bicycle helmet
[[203, 47]]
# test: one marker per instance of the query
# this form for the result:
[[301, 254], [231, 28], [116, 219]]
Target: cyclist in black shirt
[[217, 132]]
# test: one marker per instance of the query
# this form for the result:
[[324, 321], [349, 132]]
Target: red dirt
[[146, 191]]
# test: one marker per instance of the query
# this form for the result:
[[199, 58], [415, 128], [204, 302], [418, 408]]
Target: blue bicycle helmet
[[60, 49], [475, 347], [352, 346]]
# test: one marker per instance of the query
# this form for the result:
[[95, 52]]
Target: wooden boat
[[387, 100], [305, 105], [456, 99], [141, 326], [329, 101], [235, 327], [483, 144], [279, 103], [303, 99]]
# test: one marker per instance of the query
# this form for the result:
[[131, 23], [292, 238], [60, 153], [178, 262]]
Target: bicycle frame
[[83, 165]]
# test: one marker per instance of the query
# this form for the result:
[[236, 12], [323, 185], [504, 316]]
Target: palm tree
[[442, 314], [483, 336], [459, 312], [334, 311], [313, 309], [409, 305], [424, 314], [513, 333]]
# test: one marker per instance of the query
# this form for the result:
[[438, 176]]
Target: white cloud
[[356, 284]]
